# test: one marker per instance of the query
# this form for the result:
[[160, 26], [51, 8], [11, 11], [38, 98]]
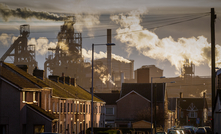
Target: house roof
[[15, 79], [42, 111], [186, 102], [28, 76], [70, 91], [109, 98], [144, 89], [26, 81]]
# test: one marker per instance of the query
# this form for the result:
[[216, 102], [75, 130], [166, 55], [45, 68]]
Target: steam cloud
[[26, 13], [131, 33], [41, 45], [87, 55], [7, 39], [87, 21]]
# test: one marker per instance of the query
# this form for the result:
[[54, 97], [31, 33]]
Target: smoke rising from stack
[[87, 55], [87, 21], [134, 35], [25, 13]]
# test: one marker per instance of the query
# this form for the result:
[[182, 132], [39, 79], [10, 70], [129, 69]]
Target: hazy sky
[[150, 14]]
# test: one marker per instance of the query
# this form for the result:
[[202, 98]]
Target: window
[[23, 96], [64, 107], [193, 114], [34, 97], [81, 107], [61, 107], [57, 107], [53, 107], [45, 102], [71, 107], [86, 108], [110, 111], [49, 102], [181, 115]]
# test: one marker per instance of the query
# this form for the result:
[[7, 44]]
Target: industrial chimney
[[109, 66]]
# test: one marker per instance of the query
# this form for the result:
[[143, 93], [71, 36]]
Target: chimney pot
[[38, 73], [23, 67], [74, 82], [54, 78]]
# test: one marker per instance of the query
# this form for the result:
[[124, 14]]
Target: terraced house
[[32, 104]]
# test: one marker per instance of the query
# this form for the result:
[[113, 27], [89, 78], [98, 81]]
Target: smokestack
[[109, 66], [181, 95]]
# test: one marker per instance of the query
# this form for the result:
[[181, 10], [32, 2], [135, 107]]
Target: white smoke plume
[[197, 50], [41, 45], [26, 13], [88, 55], [7, 39], [86, 20]]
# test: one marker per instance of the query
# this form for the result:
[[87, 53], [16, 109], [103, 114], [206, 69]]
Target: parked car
[[187, 131], [208, 129], [201, 130], [174, 132], [161, 132], [48, 133]]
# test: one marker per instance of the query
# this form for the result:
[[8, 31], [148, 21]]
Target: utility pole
[[155, 108], [213, 17]]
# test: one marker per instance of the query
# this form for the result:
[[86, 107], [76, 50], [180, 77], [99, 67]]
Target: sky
[[158, 32]]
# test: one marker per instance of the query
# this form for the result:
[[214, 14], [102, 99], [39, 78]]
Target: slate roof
[[25, 80], [70, 91], [42, 111], [28, 76], [198, 102], [143, 89], [17, 80], [109, 98]]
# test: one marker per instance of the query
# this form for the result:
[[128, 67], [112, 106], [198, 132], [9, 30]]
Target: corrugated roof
[[143, 89], [198, 102], [109, 98], [30, 77], [16, 79], [42, 111]]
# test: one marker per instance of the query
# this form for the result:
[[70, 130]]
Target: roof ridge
[[52, 82]]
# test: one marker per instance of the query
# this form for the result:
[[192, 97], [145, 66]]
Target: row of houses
[[33, 104], [131, 106]]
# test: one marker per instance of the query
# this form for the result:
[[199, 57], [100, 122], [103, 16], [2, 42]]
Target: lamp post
[[152, 102], [164, 99], [92, 82]]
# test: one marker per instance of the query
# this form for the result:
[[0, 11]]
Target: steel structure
[[20, 52], [67, 56]]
